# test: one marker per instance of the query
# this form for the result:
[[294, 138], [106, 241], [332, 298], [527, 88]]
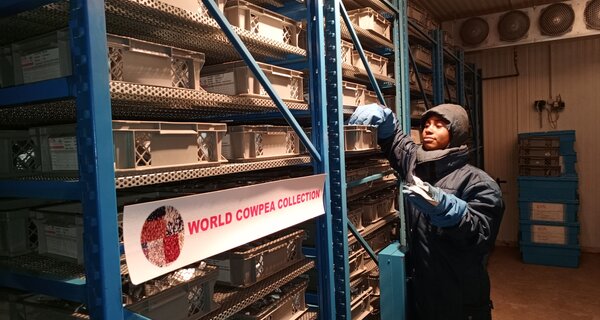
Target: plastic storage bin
[[371, 20], [564, 140], [43, 57], [148, 63], [138, 145], [262, 21], [14, 227], [416, 14], [188, 299], [260, 142], [359, 138], [252, 262], [346, 50], [377, 63], [7, 70], [422, 55], [235, 78], [450, 72], [565, 211], [18, 153], [550, 189], [60, 235], [549, 233], [378, 205], [550, 255], [371, 97], [287, 302], [353, 94], [194, 6]]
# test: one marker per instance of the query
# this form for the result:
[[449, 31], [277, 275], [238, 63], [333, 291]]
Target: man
[[453, 214]]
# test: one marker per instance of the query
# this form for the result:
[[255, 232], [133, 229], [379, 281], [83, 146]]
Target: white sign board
[[165, 235]]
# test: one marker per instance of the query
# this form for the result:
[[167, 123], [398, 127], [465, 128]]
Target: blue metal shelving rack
[[439, 53], [101, 290]]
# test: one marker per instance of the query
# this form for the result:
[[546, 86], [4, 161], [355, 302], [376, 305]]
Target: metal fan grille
[[556, 19], [513, 25], [592, 14], [474, 31]]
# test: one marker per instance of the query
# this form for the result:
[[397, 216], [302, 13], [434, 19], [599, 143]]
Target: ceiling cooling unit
[[567, 19]]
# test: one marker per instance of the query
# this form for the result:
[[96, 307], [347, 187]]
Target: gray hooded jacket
[[446, 266]]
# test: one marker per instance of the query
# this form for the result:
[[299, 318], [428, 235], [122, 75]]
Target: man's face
[[435, 134]]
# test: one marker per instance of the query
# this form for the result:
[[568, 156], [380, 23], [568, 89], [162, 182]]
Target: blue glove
[[444, 210], [377, 116]]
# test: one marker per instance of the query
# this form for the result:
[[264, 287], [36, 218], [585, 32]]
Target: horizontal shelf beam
[[73, 289], [12, 7], [53, 89], [367, 179], [61, 190]]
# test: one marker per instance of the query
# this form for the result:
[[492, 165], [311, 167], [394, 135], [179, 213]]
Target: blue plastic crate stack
[[548, 198]]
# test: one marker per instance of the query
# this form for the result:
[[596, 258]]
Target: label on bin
[[549, 234], [63, 153], [219, 83], [165, 235], [41, 65], [542, 211]]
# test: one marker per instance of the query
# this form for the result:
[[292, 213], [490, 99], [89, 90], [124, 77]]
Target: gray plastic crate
[[42, 307], [450, 72], [138, 145], [421, 55], [250, 142], [183, 299], [416, 14], [252, 262], [194, 6], [371, 97], [60, 235], [15, 222], [371, 20], [346, 50], [377, 63], [360, 138], [378, 205], [262, 21], [43, 57], [7, 76], [353, 94], [236, 78], [148, 63], [285, 303], [356, 262], [19, 153], [360, 307]]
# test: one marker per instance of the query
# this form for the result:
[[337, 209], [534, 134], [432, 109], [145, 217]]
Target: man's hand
[[377, 116], [444, 209]]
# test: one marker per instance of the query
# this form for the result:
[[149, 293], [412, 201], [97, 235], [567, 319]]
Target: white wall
[[570, 68]]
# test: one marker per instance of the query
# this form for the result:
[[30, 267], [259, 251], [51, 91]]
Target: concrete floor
[[533, 292]]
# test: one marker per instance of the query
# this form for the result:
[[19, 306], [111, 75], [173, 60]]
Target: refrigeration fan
[[513, 25], [592, 14], [556, 19], [474, 31]]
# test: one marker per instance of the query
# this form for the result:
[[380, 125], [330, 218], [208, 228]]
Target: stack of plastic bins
[[548, 198]]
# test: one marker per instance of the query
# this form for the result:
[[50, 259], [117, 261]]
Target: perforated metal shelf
[[232, 300], [149, 177], [154, 21], [142, 102], [35, 264], [351, 72]]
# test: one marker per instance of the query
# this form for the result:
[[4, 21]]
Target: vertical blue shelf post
[[95, 156], [438, 67], [392, 283], [460, 77], [337, 178], [318, 103]]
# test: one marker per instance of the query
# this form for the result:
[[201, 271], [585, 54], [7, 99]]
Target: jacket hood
[[459, 122]]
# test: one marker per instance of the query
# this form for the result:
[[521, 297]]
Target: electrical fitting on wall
[[553, 107]]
